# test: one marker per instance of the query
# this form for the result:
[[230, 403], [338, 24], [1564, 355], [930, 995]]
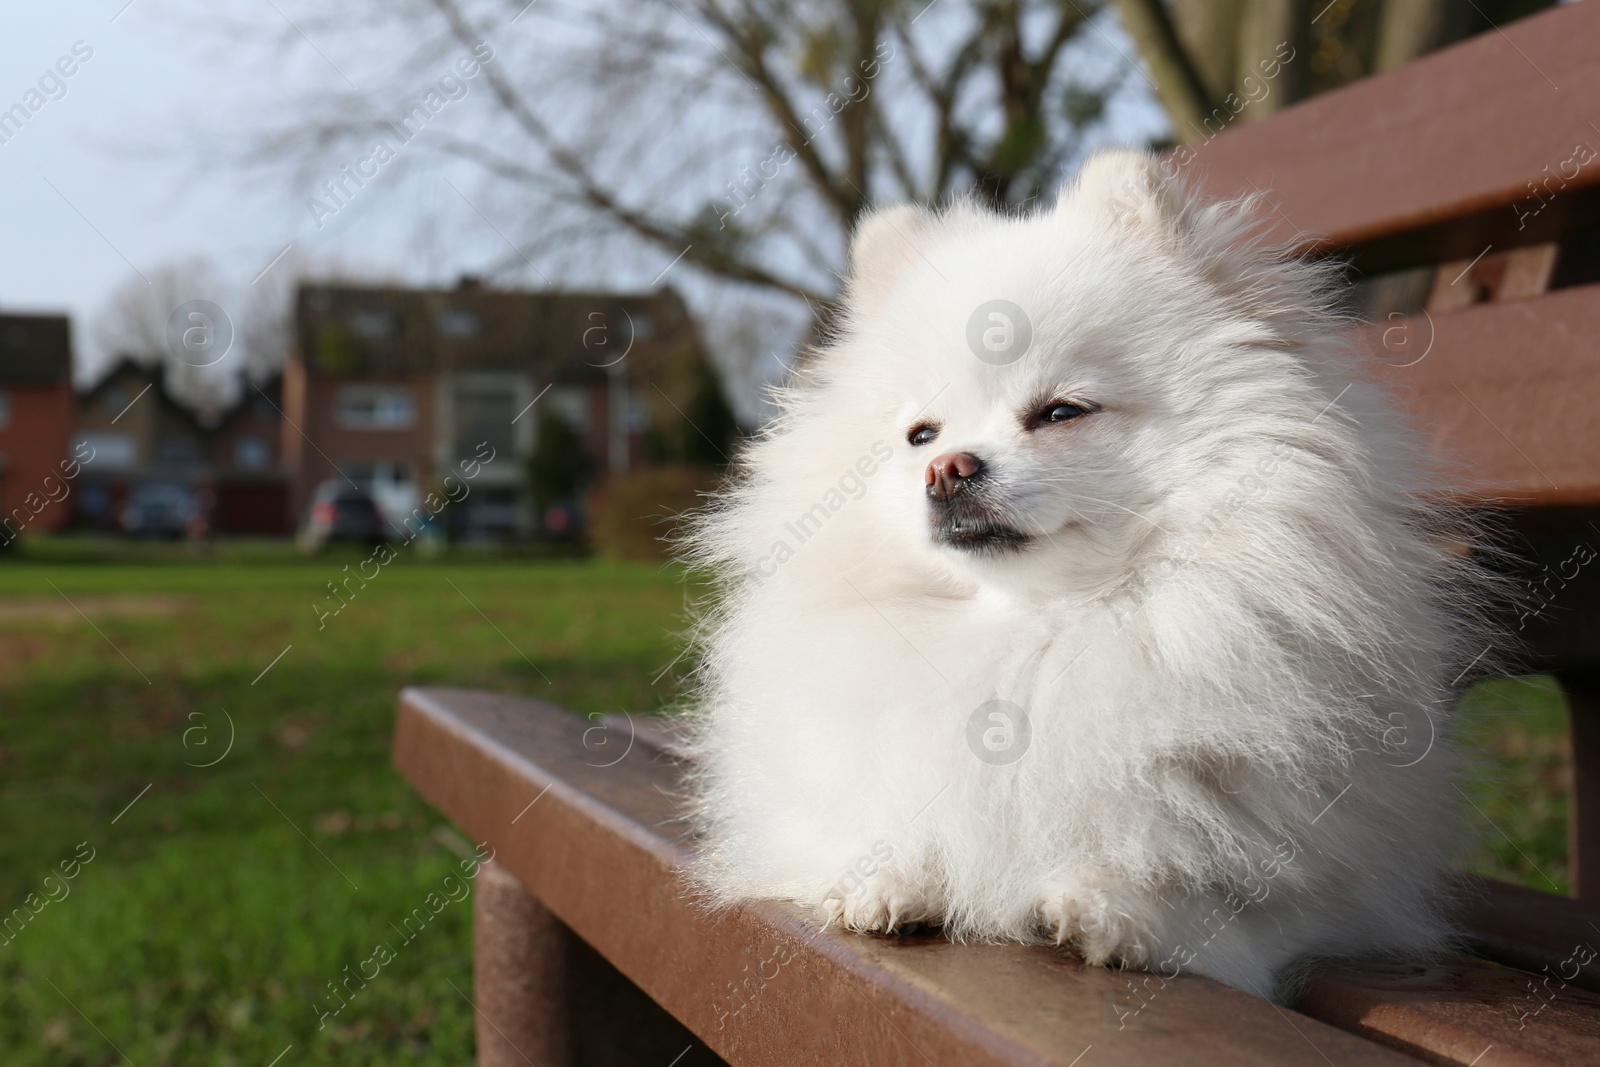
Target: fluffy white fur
[[1232, 630]]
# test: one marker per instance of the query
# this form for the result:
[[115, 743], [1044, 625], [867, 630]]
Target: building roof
[[355, 331], [258, 399], [35, 349], [153, 376]]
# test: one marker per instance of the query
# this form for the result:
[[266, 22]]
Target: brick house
[[392, 387], [36, 414], [138, 433], [141, 434], [134, 423]]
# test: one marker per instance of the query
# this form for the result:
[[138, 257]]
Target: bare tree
[[147, 318], [134, 323], [742, 137]]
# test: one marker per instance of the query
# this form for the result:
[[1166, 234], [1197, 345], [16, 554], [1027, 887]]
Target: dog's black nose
[[950, 473]]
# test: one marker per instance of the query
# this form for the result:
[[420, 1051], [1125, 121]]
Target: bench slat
[[596, 836], [1461, 1010], [1541, 933], [1507, 392], [1455, 134]]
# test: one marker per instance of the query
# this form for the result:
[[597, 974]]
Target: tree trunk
[[1272, 38], [1177, 83], [1210, 31], [1410, 28]]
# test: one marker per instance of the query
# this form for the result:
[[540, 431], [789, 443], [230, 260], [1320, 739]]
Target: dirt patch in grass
[[44, 610], [18, 650]]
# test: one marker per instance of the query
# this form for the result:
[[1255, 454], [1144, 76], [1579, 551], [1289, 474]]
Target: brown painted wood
[[1465, 153], [1508, 393], [543, 996], [1541, 933], [1516, 274], [1461, 1011], [1439, 150], [599, 840], [517, 973]]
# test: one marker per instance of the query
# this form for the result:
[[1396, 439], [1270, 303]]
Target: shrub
[[634, 515]]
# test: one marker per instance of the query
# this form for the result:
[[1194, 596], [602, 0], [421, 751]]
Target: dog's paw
[[882, 902], [1105, 925]]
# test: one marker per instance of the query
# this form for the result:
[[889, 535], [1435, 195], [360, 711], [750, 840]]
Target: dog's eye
[[1060, 412], [921, 435]]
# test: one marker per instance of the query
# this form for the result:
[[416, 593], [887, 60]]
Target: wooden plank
[[1462, 1011], [1456, 134], [1507, 392], [542, 996], [1541, 933], [599, 840]]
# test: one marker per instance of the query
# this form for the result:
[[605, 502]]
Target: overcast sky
[[108, 176], [126, 165]]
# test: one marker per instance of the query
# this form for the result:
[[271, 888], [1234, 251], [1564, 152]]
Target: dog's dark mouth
[[978, 535]]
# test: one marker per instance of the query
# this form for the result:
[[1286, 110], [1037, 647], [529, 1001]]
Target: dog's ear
[[886, 242], [1128, 187]]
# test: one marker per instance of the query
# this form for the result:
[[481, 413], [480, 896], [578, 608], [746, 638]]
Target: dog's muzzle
[[961, 517]]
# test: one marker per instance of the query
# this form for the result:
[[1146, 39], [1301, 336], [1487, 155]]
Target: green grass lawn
[[219, 907], [1514, 733]]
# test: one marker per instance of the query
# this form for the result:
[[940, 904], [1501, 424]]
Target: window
[[571, 402], [484, 416], [5, 409], [637, 419], [377, 474], [374, 325], [252, 454], [106, 451], [176, 451], [459, 324], [371, 407]]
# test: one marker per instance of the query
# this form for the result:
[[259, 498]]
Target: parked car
[[342, 512], [162, 509]]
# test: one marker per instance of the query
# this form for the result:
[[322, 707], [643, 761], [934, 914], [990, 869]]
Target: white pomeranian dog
[[1085, 593]]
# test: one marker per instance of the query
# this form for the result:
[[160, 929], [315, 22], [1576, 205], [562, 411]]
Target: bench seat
[[591, 949]]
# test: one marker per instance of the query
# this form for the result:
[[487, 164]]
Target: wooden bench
[[590, 947]]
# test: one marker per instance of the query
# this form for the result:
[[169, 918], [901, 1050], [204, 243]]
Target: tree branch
[[953, 148], [842, 200], [587, 189]]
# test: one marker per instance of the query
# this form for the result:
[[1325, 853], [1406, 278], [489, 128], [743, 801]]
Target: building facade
[[36, 413], [393, 388]]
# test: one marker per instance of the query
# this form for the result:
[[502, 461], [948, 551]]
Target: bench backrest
[[1481, 162]]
